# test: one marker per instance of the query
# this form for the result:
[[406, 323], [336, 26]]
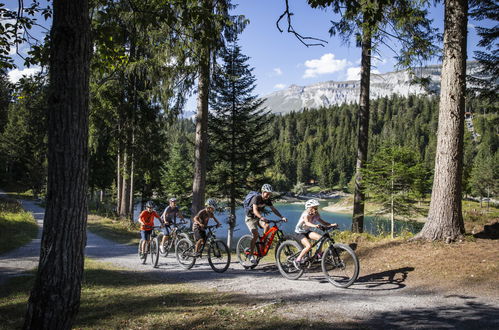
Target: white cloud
[[278, 71], [279, 86], [326, 64], [353, 73], [471, 26], [16, 74]]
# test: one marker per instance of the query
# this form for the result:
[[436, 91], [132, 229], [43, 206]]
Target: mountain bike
[[218, 252], [262, 245], [177, 232], [338, 261], [152, 248]]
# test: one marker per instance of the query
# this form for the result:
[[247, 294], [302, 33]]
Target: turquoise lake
[[292, 212]]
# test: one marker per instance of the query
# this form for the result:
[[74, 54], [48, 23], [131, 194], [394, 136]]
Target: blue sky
[[280, 60]]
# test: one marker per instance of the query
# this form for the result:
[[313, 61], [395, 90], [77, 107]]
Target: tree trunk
[[363, 134], [445, 220], [131, 203], [119, 179], [55, 297], [201, 144], [125, 186]]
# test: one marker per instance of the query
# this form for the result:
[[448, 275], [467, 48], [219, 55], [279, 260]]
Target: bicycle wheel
[[183, 251], [218, 256], [166, 247], [286, 254], [243, 252], [284, 239], [142, 256], [340, 265], [154, 251]]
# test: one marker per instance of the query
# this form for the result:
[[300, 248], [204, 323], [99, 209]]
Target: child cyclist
[[169, 217], [310, 218], [146, 220], [201, 221]]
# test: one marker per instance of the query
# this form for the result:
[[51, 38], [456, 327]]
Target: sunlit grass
[[17, 227], [120, 231]]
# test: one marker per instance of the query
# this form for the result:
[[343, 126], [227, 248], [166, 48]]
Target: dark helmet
[[149, 204]]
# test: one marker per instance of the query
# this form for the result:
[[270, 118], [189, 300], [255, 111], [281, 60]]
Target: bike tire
[[142, 256], [286, 254], [340, 265], [285, 238], [154, 252], [183, 251], [218, 256], [242, 252]]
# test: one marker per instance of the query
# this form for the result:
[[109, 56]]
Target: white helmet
[[267, 188], [211, 203], [173, 199], [311, 203]]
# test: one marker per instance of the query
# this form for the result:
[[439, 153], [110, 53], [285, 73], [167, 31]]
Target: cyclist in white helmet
[[169, 217], [310, 218], [200, 221], [254, 217]]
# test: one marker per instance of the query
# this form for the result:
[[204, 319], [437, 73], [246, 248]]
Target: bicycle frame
[[262, 247], [210, 236], [325, 237]]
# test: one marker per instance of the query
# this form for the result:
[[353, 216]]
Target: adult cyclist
[[169, 217], [254, 217]]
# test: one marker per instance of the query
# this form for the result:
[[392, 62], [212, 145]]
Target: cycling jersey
[[170, 214], [301, 227], [260, 204], [148, 219]]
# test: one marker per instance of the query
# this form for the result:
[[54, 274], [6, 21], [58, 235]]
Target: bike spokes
[[340, 265]]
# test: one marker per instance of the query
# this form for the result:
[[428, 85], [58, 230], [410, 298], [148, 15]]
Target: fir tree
[[239, 130]]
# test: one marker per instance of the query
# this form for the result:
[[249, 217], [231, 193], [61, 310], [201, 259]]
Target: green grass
[[120, 231], [114, 298], [17, 227]]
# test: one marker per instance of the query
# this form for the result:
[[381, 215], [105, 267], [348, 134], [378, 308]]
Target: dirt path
[[382, 300]]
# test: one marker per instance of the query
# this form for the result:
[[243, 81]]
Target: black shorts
[[199, 233], [303, 235]]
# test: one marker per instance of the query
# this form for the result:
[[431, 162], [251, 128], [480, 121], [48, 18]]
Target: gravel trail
[[380, 300]]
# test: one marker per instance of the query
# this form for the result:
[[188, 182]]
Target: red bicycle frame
[[263, 248]]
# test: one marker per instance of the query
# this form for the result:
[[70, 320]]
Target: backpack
[[247, 200]]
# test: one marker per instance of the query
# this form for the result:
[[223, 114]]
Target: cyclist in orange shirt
[[146, 219]]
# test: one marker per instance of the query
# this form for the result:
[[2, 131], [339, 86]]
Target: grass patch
[[114, 298], [17, 227], [120, 231]]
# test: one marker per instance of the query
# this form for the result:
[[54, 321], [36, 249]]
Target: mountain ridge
[[329, 93]]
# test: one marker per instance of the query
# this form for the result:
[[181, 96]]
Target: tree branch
[[301, 38]]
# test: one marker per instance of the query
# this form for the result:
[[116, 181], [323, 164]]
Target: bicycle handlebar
[[328, 229]]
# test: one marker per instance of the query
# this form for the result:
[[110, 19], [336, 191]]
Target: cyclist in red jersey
[[146, 220]]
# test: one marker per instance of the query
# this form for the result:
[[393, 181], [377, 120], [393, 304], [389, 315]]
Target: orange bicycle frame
[[269, 236]]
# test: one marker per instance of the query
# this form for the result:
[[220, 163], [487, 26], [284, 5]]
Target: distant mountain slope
[[295, 98]]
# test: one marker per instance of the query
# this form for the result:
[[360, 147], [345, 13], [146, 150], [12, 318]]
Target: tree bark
[[119, 179], [363, 134], [445, 220], [131, 203], [201, 144], [125, 186], [55, 297]]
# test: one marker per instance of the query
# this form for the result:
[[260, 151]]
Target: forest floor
[[401, 284]]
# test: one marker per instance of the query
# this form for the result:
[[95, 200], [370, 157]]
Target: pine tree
[[445, 219], [239, 130], [389, 178], [176, 174]]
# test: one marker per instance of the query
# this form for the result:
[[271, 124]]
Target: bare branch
[[301, 38]]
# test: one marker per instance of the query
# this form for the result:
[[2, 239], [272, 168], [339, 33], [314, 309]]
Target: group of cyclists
[[254, 219]]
